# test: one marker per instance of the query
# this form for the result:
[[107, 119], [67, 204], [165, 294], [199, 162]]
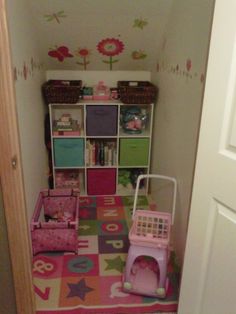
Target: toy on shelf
[[65, 125], [134, 174], [101, 91], [124, 179], [127, 178], [67, 179], [134, 119], [146, 265], [87, 92], [114, 93]]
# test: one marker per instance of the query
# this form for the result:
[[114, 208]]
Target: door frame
[[11, 175]]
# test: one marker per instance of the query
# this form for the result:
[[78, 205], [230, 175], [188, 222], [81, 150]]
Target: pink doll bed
[[54, 224]]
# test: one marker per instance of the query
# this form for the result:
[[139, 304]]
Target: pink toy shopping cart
[[146, 265], [54, 224]]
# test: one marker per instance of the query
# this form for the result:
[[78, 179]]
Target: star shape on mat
[[78, 289], [115, 263]]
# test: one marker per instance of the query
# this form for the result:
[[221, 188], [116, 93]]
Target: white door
[[209, 272]]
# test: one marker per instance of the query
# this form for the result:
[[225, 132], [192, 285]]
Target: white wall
[[29, 75], [91, 78], [177, 115]]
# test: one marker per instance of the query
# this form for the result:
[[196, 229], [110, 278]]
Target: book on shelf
[[100, 153]]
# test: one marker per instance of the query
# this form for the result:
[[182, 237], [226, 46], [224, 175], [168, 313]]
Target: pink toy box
[[54, 224]]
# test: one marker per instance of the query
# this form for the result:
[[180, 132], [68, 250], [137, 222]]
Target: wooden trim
[[12, 178]]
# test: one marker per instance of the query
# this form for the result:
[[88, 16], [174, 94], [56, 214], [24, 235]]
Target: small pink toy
[[146, 265], [101, 91], [54, 224]]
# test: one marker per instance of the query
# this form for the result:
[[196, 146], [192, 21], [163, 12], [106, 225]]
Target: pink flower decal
[[60, 53], [84, 54], [110, 47]]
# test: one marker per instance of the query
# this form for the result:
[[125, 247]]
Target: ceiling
[[100, 35]]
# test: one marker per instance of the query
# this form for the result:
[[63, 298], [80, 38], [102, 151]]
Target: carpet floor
[[91, 282]]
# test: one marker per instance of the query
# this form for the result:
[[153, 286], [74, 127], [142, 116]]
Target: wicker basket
[[61, 91], [137, 92]]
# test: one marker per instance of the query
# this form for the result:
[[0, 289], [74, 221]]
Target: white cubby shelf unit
[[93, 151], [126, 154]]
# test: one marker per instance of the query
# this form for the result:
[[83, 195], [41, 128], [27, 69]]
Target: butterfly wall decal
[[60, 53]]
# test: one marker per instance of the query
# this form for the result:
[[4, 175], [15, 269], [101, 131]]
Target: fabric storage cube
[[54, 224], [101, 181], [69, 152], [134, 151], [101, 120]]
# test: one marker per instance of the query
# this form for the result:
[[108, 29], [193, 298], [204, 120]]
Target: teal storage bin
[[69, 152], [134, 151]]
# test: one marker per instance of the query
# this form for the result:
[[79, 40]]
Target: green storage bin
[[134, 151], [69, 152]]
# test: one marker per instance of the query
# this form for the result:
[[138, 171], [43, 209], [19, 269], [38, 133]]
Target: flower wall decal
[[60, 53], [55, 16], [140, 23], [83, 53], [110, 47], [138, 55]]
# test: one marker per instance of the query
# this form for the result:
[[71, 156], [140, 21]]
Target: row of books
[[101, 153]]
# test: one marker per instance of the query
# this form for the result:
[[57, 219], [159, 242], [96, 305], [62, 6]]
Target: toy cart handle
[[156, 176]]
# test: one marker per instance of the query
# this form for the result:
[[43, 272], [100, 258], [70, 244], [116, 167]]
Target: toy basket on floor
[[54, 224], [149, 237]]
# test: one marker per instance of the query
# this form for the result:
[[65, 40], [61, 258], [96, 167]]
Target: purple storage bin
[[101, 120], [101, 181]]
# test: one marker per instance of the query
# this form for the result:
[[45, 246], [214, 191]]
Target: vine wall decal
[[186, 71], [27, 70]]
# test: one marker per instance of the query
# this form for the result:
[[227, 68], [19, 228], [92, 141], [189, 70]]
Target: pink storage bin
[[54, 224], [101, 181]]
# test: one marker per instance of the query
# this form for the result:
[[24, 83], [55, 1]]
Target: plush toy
[[124, 177], [133, 120]]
